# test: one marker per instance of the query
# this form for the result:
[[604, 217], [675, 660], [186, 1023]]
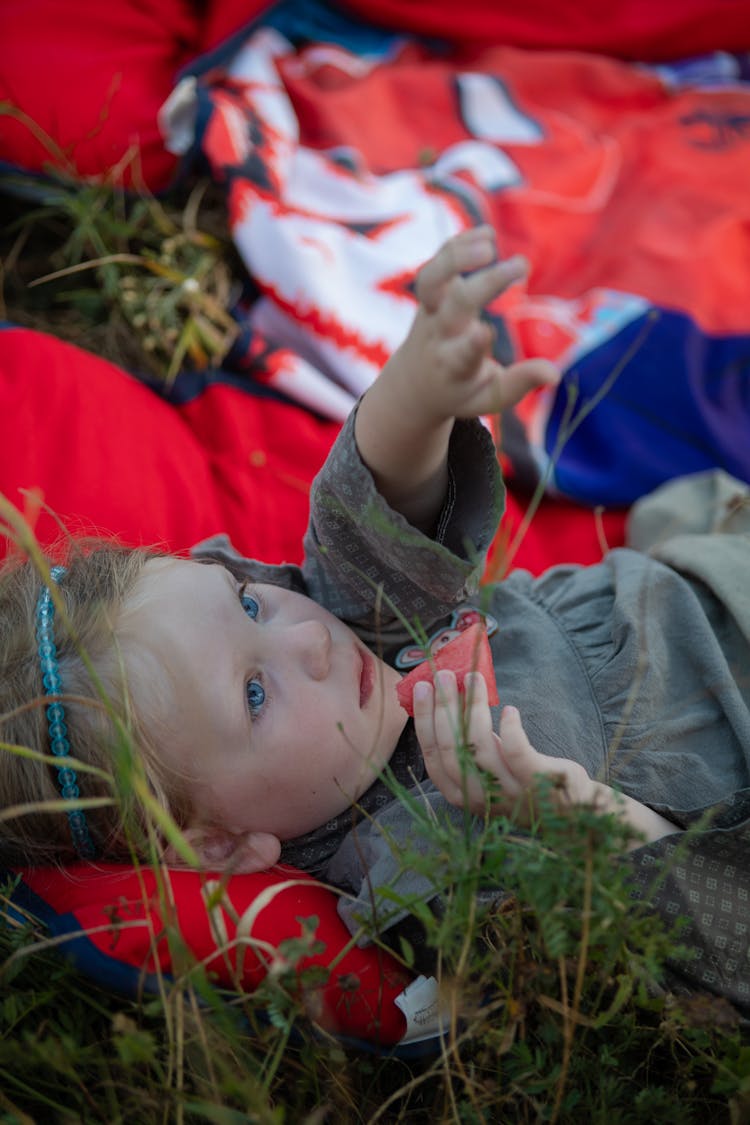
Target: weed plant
[[555, 1013], [144, 282]]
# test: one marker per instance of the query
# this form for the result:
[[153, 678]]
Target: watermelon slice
[[468, 652]]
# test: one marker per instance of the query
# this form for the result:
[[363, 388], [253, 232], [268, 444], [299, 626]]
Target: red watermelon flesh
[[468, 652]]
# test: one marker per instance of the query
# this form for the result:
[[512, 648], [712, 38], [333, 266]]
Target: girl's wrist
[[645, 822], [404, 448]]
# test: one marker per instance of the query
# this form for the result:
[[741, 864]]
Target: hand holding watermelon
[[450, 697], [468, 652]]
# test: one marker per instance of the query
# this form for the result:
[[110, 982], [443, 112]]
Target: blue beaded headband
[[58, 731]]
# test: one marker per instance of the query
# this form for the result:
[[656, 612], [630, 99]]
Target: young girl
[[262, 699]]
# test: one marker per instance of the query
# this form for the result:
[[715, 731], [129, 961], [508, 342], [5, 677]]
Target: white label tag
[[425, 1016]]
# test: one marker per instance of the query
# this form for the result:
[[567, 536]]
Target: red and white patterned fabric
[[623, 184]]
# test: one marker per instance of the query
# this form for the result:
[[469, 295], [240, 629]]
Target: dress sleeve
[[364, 560], [703, 876]]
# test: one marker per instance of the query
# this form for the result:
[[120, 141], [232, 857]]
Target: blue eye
[[256, 696], [250, 604]]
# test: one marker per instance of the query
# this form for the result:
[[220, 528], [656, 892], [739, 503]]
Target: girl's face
[[272, 711]]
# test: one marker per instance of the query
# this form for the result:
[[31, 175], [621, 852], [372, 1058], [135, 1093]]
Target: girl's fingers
[[483, 285], [464, 297], [478, 719], [424, 719], [469, 250], [437, 760], [512, 383], [520, 757], [445, 720], [453, 288], [463, 361], [464, 276], [572, 782], [448, 723], [438, 725], [483, 386], [481, 738]]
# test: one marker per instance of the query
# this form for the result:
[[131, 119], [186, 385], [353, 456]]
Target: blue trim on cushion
[[104, 969], [21, 183], [29, 184]]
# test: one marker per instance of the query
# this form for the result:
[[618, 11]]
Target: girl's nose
[[312, 643]]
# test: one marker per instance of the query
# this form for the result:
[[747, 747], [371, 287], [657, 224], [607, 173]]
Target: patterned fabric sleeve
[[357, 545], [703, 878]]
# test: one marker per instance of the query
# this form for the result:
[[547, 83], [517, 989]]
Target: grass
[[558, 1013], [557, 1017], [146, 284]]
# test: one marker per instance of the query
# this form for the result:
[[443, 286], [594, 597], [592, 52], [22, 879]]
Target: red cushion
[[223, 17], [112, 457], [93, 75], [236, 936], [630, 29]]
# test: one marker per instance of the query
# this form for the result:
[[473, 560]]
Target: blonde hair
[[104, 728]]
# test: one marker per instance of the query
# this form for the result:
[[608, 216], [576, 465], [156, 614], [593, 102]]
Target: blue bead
[[84, 846], [55, 712]]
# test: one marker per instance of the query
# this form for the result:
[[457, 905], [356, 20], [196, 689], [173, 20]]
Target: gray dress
[[644, 661]]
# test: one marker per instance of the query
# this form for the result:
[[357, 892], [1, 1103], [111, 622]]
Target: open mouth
[[366, 678]]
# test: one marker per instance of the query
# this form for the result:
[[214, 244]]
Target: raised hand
[[444, 370], [448, 351]]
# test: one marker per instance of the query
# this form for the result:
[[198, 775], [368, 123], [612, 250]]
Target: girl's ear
[[219, 850]]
